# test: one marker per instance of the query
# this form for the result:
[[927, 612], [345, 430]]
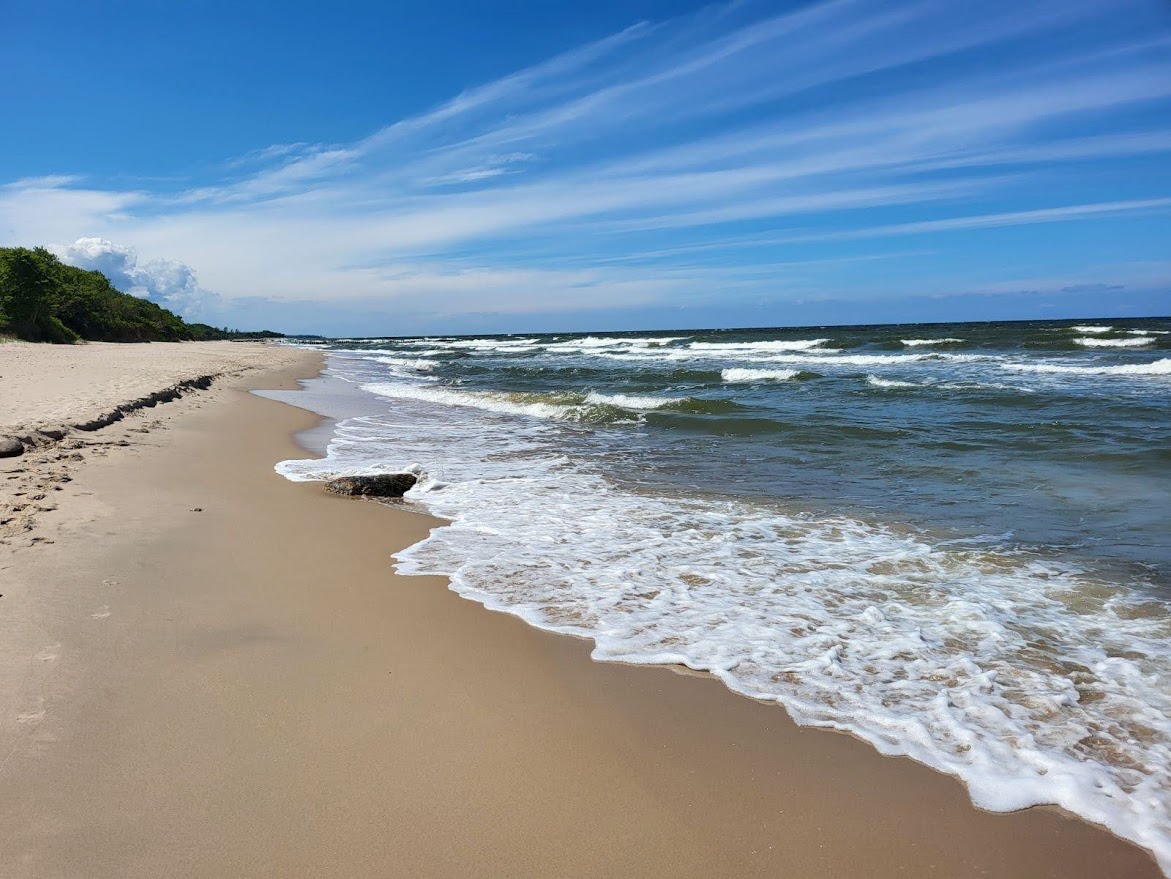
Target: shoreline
[[288, 704]]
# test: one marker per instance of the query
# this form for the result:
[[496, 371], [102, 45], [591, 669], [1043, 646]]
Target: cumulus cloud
[[168, 282]]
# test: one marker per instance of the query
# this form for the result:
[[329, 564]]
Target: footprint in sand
[[31, 717], [49, 653], [110, 582], [101, 613]]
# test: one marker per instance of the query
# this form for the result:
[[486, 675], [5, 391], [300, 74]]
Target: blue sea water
[[953, 541]]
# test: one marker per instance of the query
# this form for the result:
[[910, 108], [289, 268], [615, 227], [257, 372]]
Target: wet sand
[[213, 672]]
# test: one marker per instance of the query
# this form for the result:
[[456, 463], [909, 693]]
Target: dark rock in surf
[[10, 447], [380, 485]]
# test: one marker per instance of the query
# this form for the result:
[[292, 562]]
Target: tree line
[[44, 300]]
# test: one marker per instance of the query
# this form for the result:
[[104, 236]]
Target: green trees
[[26, 295], [44, 300]]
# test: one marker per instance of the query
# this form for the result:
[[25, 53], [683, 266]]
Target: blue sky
[[483, 167]]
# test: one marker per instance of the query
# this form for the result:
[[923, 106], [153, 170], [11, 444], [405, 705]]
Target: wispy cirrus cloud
[[599, 177], [1064, 213]]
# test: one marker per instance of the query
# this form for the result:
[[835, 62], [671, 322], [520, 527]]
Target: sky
[[371, 168]]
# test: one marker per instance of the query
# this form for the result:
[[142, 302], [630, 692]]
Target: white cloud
[[169, 283], [842, 122]]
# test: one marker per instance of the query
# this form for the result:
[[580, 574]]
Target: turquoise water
[[951, 540]]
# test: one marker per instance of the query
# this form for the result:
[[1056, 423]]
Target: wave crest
[[738, 375], [1129, 342], [920, 343]]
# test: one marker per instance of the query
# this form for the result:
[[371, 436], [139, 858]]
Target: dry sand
[[249, 690], [57, 387], [62, 384]]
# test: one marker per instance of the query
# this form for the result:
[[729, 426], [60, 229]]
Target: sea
[[952, 540]]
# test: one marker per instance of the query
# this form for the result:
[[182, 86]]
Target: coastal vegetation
[[44, 300]]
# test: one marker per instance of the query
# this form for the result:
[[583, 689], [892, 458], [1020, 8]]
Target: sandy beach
[[209, 671]]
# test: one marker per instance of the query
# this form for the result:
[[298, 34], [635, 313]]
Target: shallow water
[[951, 540]]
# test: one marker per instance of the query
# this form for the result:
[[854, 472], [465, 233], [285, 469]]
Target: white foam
[[506, 404], [984, 386], [877, 382], [565, 407], [514, 346], [1132, 342], [733, 348], [1150, 332], [631, 401], [918, 343], [821, 358], [1091, 329], [562, 406], [585, 344], [407, 363], [1031, 681], [738, 374], [1157, 368], [922, 650], [588, 343], [644, 355]]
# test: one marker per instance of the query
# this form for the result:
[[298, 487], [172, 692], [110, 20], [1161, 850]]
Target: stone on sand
[[379, 485], [10, 447]]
